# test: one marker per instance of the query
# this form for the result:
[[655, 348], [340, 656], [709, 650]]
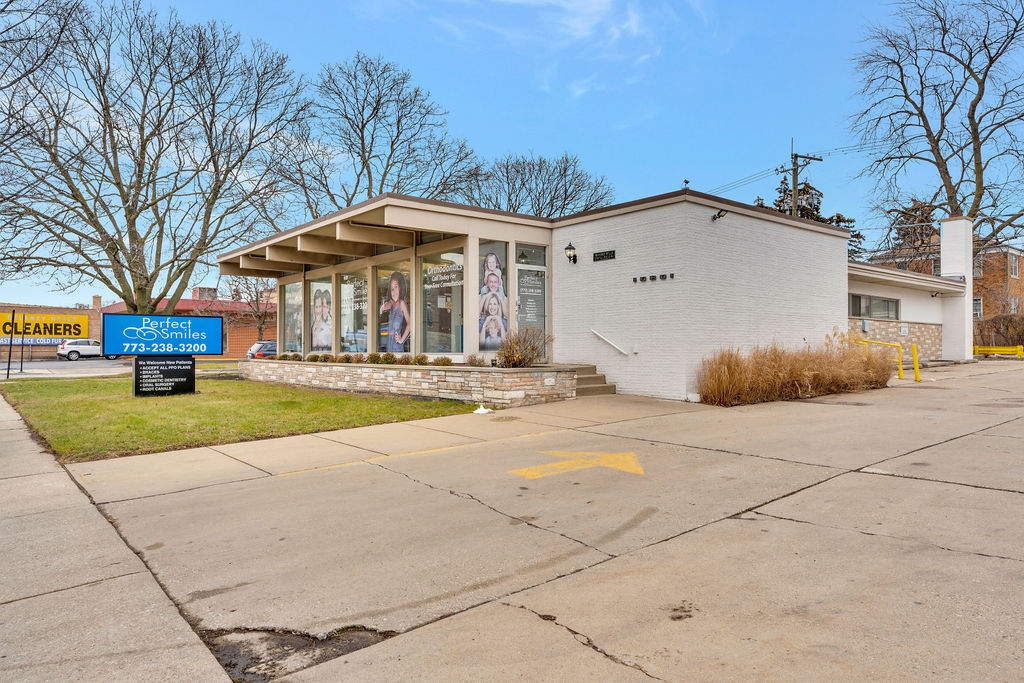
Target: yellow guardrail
[[899, 366], [1000, 350]]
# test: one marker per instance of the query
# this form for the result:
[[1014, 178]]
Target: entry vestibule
[[446, 295]]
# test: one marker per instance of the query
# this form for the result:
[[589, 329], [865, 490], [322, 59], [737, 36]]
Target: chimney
[[97, 302], [956, 259]]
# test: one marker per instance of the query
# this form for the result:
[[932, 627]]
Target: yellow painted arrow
[[581, 460]]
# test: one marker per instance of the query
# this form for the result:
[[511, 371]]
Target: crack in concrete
[[890, 536], [897, 475], [469, 496], [171, 493], [584, 639], [68, 588], [247, 464]]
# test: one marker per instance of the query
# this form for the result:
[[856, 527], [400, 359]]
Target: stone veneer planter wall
[[500, 387]]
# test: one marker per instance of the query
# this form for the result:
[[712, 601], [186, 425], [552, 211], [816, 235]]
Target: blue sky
[[646, 93]]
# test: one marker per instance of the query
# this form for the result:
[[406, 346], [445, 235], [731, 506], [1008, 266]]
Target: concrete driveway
[[862, 535]]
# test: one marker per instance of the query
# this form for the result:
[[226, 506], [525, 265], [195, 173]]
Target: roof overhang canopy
[[864, 272]]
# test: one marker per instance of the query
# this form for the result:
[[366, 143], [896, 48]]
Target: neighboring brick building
[[240, 326], [998, 286], [48, 351]]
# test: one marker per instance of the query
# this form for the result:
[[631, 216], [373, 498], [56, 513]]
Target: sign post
[[163, 346], [10, 343]]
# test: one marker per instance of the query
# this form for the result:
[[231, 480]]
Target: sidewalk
[[76, 603]]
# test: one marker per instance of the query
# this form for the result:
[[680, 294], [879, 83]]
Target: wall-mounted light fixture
[[721, 214], [570, 253], [522, 258]]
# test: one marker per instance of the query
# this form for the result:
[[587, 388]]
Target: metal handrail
[[609, 342], [899, 367]]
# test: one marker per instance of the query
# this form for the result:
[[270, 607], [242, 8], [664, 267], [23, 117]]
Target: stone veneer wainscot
[[499, 387], [927, 336]]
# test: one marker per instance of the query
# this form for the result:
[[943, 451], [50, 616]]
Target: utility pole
[[793, 211]]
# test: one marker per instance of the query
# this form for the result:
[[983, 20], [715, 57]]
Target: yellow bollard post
[[917, 368], [899, 372]]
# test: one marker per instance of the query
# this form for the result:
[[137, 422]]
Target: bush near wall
[[772, 373], [1000, 330]]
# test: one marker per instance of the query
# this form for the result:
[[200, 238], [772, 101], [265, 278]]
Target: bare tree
[[946, 96], [374, 132], [258, 299], [31, 31], [539, 186], [143, 151]]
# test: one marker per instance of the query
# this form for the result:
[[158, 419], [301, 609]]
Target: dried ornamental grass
[[523, 348], [772, 373]]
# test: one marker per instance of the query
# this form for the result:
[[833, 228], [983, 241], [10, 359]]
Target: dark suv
[[262, 348]]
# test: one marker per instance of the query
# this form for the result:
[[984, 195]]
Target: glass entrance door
[[531, 297]]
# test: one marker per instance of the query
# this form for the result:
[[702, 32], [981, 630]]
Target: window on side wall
[[936, 267], [1014, 265], [979, 263], [1014, 304], [978, 310], [864, 306]]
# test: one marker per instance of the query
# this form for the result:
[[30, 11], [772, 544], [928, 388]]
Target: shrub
[[344, 358], [1000, 330], [475, 360], [268, 357], [771, 373], [295, 356], [358, 358], [443, 360], [313, 358], [387, 358], [421, 359], [404, 360], [373, 358], [523, 348], [326, 358]]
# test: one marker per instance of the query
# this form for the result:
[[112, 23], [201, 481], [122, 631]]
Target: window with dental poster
[[493, 314], [393, 318], [321, 326]]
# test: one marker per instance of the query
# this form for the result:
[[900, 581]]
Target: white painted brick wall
[[739, 281]]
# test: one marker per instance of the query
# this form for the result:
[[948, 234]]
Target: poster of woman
[[394, 312], [322, 321], [493, 303]]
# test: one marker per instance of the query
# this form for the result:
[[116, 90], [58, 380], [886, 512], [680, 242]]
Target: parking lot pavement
[[859, 535]]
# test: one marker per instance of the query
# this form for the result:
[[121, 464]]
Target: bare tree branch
[[374, 132], [946, 95], [142, 151], [539, 186]]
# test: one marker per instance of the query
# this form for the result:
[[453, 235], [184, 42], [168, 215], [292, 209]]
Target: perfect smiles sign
[[162, 335]]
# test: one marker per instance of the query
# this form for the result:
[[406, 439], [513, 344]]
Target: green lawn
[[92, 418]]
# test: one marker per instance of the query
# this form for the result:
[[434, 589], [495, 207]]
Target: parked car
[[262, 348], [73, 349]]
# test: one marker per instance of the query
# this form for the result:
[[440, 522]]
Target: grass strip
[[94, 418]]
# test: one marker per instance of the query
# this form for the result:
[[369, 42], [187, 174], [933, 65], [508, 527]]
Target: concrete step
[[588, 380], [586, 369], [595, 390]]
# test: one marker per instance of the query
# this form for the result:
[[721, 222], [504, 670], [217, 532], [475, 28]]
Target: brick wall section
[[737, 282], [242, 337], [498, 387], [927, 336]]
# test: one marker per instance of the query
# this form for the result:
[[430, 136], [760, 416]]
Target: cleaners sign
[[162, 335], [53, 327]]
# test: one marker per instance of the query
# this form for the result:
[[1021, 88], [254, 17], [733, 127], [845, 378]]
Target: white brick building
[[658, 284]]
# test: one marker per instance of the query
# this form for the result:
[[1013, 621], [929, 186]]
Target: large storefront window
[[320, 316], [352, 316], [394, 323], [441, 276], [493, 314], [293, 318]]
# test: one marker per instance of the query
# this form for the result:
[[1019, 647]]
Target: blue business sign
[[162, 335]]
